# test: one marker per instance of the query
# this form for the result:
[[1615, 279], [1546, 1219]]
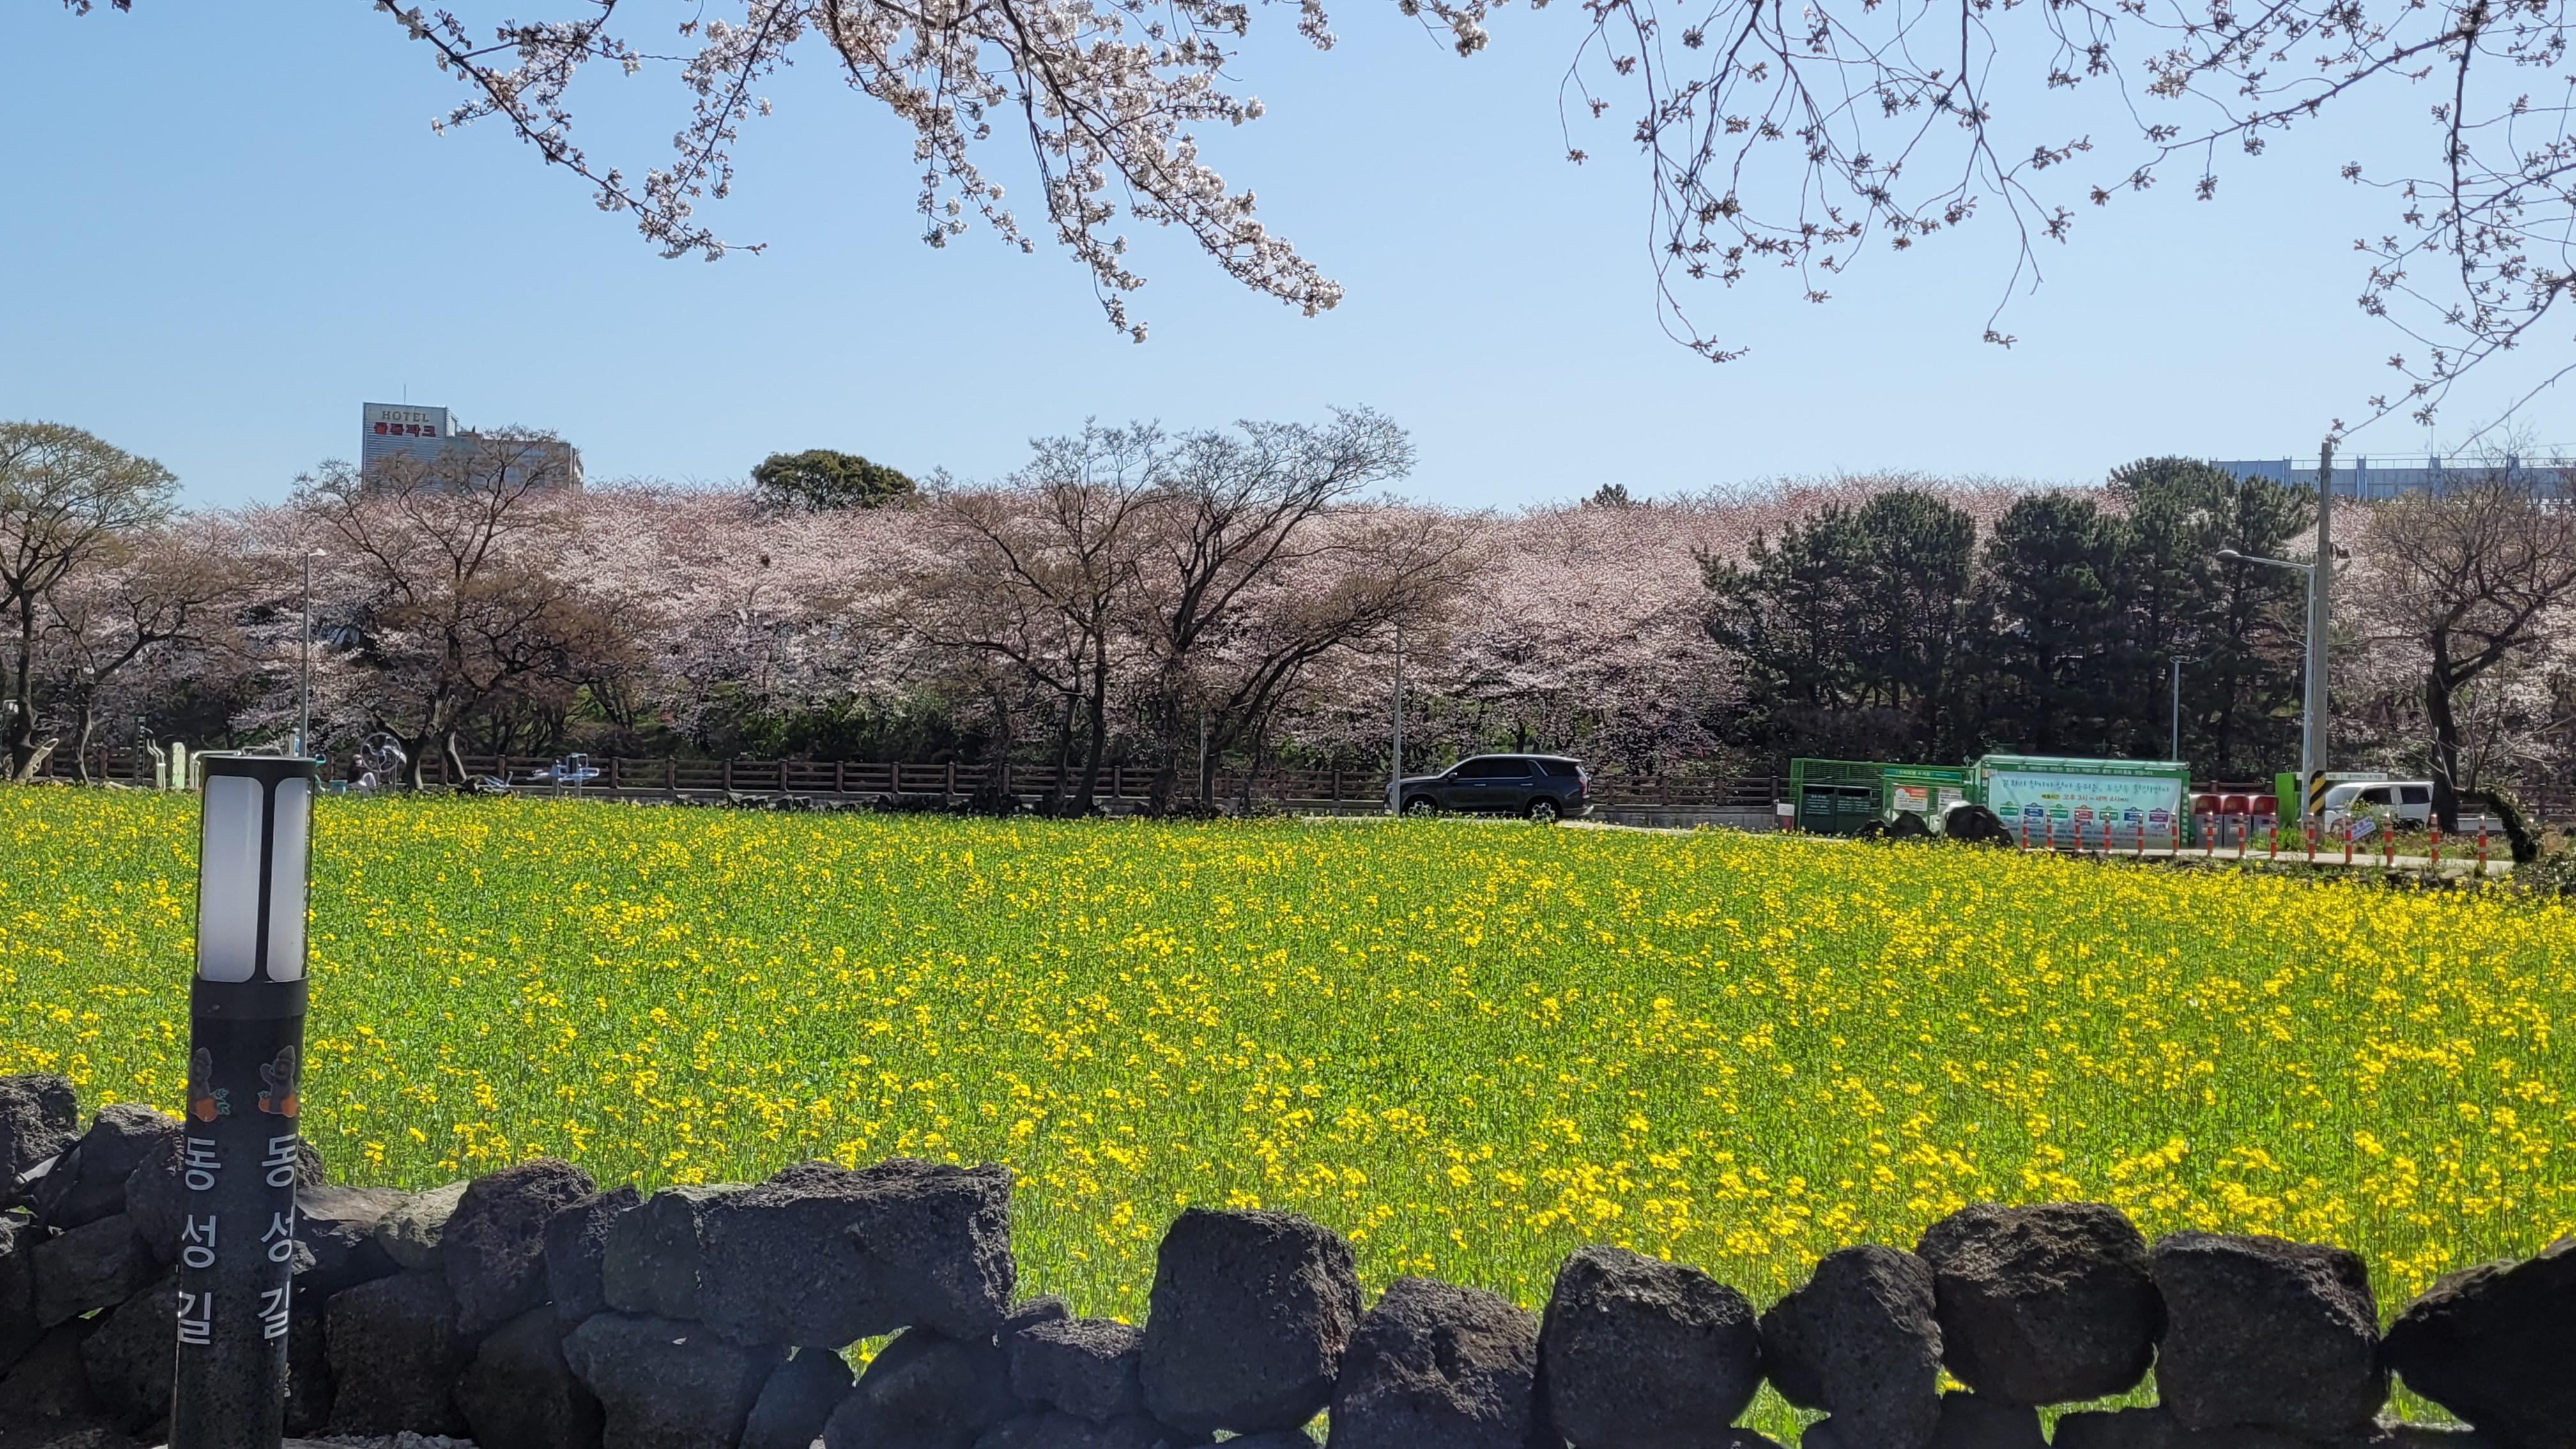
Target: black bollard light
[[245, 1062]]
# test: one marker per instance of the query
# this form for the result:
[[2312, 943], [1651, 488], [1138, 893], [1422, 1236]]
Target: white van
[[2410, 802]]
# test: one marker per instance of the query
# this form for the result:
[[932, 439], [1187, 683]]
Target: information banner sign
[[2038, 797]]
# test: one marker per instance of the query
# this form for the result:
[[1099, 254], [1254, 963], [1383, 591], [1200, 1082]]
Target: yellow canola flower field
[[1470, 1046]]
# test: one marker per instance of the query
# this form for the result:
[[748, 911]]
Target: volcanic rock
[[652, 1257], [395, 1355], [1055, 1429], [797, 1401], [337, 1228], [1638, 1353], [1088, 1367], [1436, 1366], [48, 1381], [1859, 1340], [520, 1394], [926, 1391], [410, 1230], [2496, 1345], [493, 1246], [1045, 1308], [576, 1245], [1250, 1313], [18, 1330], [155, 1199], [2261, 1331], [820, 1256], [1976, 1421], [2046, 1304], [39, 1120], [88, 1182], [98, 1265], [130, 1356], [664, 1384]]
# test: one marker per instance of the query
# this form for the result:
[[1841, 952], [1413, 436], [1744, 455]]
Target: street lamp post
[[304, 659], [245, 1068], [2175, 751], [1395, 770], [2312, 711], [2320, 582]]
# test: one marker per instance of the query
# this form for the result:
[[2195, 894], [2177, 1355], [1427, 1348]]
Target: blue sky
[[224, 235]]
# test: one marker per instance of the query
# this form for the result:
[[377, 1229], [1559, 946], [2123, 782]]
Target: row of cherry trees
[[1189, 603], [1179, 602]]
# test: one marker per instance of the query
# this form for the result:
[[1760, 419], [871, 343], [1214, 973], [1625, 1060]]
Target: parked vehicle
[[1542, 787], [2408, 804]]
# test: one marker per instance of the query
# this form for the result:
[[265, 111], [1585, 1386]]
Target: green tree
[[820, 480], [2235, 626], [67, 498], [1849, 625], [2054, 626]]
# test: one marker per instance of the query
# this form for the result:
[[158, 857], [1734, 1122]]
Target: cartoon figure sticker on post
[[277, 1094], [206, 1101]]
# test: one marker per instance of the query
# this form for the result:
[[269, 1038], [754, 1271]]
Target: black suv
[[1542, 787]]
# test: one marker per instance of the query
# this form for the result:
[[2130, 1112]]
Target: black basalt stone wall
[[528, 1309]]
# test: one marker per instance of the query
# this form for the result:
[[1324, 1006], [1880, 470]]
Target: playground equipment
[[380, 763], [174, 768]]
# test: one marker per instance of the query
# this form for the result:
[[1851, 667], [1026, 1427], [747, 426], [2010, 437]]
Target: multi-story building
[[2553, 477], [401, 430]]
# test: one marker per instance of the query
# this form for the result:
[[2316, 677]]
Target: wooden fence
[[1343, 790], [1635, 798]]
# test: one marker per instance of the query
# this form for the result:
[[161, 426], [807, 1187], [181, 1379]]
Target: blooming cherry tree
[[1770, 141]]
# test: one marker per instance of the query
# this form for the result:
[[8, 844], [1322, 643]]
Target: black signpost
[[245, 1062]]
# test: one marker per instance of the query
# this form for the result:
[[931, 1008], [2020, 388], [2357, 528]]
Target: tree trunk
[[416, 763], [24, 757], [80, 747], [455, 761], [1096, 721], [2446, 746], [1252, 768], [989, 793], [1063, 757], [1169, 716]]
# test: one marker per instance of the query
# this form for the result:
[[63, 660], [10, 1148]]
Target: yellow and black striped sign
[[2316, 791]]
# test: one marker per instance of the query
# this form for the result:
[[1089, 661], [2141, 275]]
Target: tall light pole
[[2312, 714], [304, 659], [1395, 765], [2312, 763], [2175, 752]]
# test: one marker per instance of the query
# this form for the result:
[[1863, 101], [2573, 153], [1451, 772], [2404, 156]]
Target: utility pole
[[2312, 738], [1395, 769], [304, 660], [2175, 753]]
